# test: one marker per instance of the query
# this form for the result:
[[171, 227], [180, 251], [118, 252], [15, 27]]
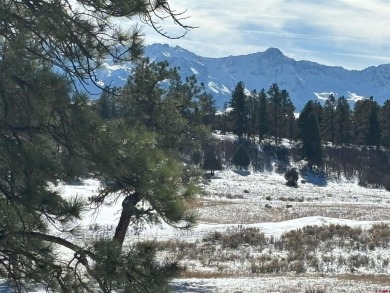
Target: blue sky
[[354, 34]]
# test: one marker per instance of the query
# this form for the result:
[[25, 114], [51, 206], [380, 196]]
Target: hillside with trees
[[336, 138]]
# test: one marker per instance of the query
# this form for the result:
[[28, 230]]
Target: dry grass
[[340, 257], [374, 279], [200, 203], [205, 274], [356, 212], [245, 212], [344, 250]]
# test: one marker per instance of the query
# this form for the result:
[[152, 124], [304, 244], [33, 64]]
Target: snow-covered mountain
[[304, 80]]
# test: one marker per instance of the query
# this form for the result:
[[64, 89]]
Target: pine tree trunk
[[128, 211]]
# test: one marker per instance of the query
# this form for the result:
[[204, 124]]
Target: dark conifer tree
[[275, 111], [288, 123], [252, 114], [385, 123], [262, 115], [106, 104], [366, 122], [239, 110], [374, 131], [155, 97], [309, 132], [225, 123], [241, 157], [281, 113], [204, 109], [211, 161], [292, 177], [328, 121], [343, 123]]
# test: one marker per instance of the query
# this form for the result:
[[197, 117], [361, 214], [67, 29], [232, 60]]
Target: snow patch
[[276, 229], [224, 137], [301, 80], [225, 90], [324, 96], [115, 67], [100, 83], [227, 110], [213, 87], [247, 92], [354, 97], [194, 71]]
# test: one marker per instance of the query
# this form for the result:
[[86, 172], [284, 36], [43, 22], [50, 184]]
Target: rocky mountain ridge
[[304, 80]]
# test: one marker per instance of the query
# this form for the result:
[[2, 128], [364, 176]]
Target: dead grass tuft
[[204, 275]]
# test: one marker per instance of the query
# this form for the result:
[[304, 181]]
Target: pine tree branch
[[48, 238]]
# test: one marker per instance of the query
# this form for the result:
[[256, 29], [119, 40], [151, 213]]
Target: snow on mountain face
[[303, 80]]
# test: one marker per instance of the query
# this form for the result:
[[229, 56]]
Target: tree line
[[271, 114], [325, 135]]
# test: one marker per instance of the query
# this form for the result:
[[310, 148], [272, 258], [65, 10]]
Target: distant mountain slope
[[304, 80]]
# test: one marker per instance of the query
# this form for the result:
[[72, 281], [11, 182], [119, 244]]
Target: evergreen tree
[[275, 111], [225, 125], [291, 177], [42, 125], [281, 113], [155, 97], [385, 123], [106, 105], [374, 131], [239, 110], [241, 157], [319, 110], [252, 110], [343, 123], [262, 115], [366, 122], [211, 161], [309, 132], [328, 122], [288, 123], [205, 109], [39, 128]]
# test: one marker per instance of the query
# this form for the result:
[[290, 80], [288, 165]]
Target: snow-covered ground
[[239, 200], [277, 284]]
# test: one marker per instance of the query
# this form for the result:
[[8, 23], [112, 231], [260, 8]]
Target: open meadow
[[255, 234]]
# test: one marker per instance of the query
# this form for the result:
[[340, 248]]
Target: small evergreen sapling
[[211, 162], [292, 177], [241, 158]]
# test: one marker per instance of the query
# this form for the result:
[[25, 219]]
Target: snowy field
[[235, 201]]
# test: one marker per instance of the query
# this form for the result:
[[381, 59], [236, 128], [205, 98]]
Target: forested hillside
[[334, 137]]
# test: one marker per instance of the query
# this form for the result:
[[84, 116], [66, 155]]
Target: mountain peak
[[167, 51], [302, 79], [273, 52]]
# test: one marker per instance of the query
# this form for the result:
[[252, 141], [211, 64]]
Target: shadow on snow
[[315, 178]]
